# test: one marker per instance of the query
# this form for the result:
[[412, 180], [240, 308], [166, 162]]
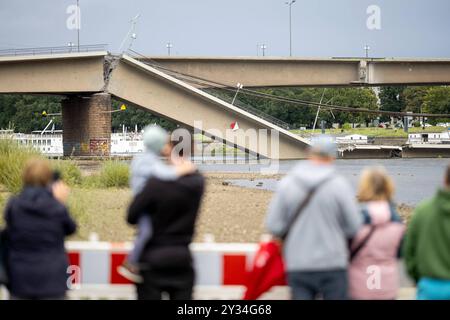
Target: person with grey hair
[[315, 211], [143, 167]]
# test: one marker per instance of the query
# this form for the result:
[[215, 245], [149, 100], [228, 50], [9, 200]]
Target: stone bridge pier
[[87, 125]]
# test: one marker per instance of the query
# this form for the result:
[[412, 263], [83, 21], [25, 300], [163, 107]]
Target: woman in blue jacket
[[37, 223]]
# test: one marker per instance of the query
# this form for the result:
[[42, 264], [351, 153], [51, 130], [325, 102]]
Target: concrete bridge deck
[[127, 79], [292, 71], [82, 75], [53, 73], [250, 71]]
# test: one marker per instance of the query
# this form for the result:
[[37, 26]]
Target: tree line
[[23, 113], [416, 99]]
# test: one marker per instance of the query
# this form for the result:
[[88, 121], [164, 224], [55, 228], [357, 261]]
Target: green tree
[[437, 100], [24, 112], [355, 98], [7, 110], [135, 116], [298, 115], [414, 98], [391, 99]]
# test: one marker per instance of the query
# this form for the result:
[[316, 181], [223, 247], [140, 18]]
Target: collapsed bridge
[[89, 80]]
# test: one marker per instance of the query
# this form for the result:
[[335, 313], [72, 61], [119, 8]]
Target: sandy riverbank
[[228, 213], [236, 214], [231, 213]]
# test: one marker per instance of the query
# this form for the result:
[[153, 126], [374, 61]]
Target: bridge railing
[[53, 50], [255, 111], [259, 113]]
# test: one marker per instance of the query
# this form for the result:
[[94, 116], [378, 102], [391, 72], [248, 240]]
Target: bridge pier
[[87, 125]]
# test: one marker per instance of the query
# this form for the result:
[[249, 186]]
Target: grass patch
[[113, 174], [101, 211], [78, 208], [70, 173], [12, 160]]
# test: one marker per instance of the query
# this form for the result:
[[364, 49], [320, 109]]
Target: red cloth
[[267, 270]]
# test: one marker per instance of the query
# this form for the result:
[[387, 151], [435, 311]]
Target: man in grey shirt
[[315, 250]]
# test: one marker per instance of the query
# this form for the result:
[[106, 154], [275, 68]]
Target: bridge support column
[[87, 125]]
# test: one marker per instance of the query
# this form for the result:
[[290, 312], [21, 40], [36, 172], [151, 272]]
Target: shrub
[[346, 126], [92, 181], [12, 161], [114, 174], [70, 173]]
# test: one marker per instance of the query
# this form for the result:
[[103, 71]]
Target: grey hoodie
[[317, 240]]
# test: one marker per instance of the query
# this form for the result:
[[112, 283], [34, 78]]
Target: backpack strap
[[302, 205], [361, 245]]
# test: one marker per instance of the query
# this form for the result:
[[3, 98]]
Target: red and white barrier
[[216, 264]]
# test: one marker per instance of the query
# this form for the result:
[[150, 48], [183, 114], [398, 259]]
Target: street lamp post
[[263, 48], [131, 34], [78, 24], [239, 87], [168, 46], [290, 3], [133, 37], [367, 48]]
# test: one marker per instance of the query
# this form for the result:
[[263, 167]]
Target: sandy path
[[230, 213]]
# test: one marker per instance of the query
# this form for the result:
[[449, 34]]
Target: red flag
[[234, 126], [267, 270]]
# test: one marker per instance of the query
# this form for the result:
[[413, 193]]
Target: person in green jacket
[[427, 245]]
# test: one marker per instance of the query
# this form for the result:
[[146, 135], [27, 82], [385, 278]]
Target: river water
[[415, 179]]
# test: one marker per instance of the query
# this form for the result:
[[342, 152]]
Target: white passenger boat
[[50, 142]]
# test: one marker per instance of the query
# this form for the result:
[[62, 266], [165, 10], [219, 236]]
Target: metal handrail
[[261, 114], [265, 116], [53, 50]]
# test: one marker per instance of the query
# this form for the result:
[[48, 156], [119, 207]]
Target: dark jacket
[[37, 261], [173, 207]]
